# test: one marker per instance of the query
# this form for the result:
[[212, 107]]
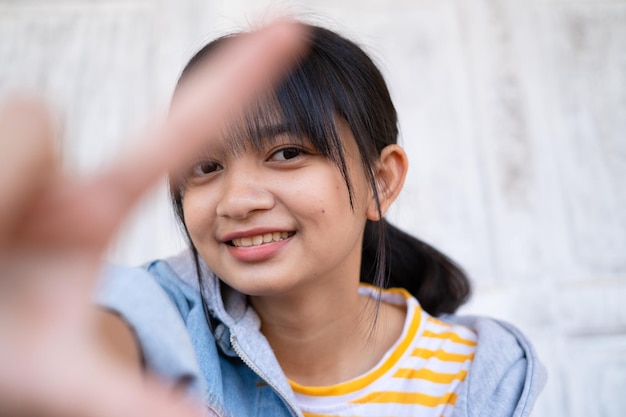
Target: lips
[[260, 239]]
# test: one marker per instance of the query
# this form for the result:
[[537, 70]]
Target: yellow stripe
[[439, 322], [442, 355], [370, 377], [307, 414], [407, 398], [428, 375], [449, 336]]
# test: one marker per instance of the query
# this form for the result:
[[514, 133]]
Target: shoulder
[[154, 302], [151, 286], [505, 377]]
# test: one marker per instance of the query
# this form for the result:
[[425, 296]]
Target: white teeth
[[260, 239]]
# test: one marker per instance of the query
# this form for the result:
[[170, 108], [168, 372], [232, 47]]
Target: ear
[[389, 175]]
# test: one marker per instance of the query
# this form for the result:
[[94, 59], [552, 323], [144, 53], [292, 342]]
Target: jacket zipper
[[251, 365]]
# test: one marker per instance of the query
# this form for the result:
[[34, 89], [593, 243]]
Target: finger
[[27, 148], [214, 92], [85, 387], [93, 210]]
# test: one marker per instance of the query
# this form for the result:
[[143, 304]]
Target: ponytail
[[435, 280]]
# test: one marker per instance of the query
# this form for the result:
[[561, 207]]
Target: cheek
[[197, 213], [327, 198]]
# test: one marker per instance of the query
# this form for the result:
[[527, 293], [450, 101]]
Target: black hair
[[336, 80]]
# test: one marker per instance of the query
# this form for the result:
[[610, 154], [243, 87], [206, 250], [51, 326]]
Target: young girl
[[269, 312], [296, 297]]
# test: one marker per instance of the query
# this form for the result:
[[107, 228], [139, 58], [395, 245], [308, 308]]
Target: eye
[[287, 153], [205, 168]]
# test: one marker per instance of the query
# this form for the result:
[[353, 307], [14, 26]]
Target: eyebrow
[[269, 132]]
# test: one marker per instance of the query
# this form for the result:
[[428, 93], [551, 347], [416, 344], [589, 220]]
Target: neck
[[325, 337]]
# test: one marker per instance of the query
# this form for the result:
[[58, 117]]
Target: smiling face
[[335, 82], [276, 219]]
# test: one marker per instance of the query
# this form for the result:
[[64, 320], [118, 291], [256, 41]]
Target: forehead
[[262, 124]]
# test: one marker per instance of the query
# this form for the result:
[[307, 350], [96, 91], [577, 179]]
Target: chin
[[259, 287]]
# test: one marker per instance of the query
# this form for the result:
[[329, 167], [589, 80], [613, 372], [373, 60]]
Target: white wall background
[[513, 113]]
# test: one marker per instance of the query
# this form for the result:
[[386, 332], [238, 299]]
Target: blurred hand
[[55, 228]]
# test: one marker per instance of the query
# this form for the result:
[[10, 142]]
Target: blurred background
[[513, 114]]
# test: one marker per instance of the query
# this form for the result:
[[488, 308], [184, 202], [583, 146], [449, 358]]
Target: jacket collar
[[236, 326]]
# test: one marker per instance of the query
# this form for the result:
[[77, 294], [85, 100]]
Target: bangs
[[335, 82], [298, 107]]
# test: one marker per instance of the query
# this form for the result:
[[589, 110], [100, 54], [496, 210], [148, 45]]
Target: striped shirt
[[419, 376]]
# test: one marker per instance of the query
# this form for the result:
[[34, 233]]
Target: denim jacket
[[226, 362]]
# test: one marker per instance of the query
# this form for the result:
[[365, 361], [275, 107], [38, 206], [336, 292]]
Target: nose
[[243, 193]]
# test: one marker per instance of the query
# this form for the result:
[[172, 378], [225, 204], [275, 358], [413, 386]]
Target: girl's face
[[277, 220]]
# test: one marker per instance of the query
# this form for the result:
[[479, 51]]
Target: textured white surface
[[513, 114]]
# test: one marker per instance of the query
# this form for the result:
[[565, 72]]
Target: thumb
[[27, 149]]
